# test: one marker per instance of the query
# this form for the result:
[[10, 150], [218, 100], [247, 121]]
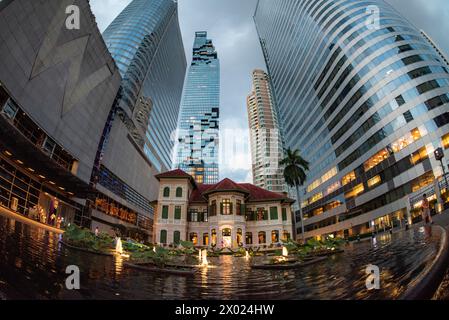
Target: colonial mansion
[[226, 214]]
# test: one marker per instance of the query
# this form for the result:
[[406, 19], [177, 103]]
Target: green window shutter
[[265, 214], [166, 192], [221, 208], [284, 214], [179, 192], [242, 209], [178, 213], [165, 212], [231, 206], [273, 213], [176, 237], [164, 236]]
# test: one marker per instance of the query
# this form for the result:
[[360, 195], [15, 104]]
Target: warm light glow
[[8, 153], [284, 252], [118, 247], [204, 261], [41, 176], [374, 181], [51, 182], [31, 169], [19, 161]]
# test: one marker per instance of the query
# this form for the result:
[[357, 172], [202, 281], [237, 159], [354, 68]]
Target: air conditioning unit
[[14, 204]]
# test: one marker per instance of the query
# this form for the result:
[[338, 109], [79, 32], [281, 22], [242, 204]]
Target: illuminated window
[[374, 181], [445, 140], [348, 178], [419, 156], [316, 197], [423, 181], [328, 175], [358, 189], [274, 236], [314, 185], [333, 187], [376, 159], [226, 207]]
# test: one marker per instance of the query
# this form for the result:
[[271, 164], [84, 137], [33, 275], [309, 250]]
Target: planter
[[110, 254]]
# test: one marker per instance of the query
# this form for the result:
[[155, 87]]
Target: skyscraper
[[146, 43], [197, 149], [364, 96], [265, 135]]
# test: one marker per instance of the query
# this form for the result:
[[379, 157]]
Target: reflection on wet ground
[[32, 266]]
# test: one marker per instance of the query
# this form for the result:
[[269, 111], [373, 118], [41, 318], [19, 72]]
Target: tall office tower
[[364, 97], [434, 45], [57, 86], [146, 43], [265, 135], [197, 148]]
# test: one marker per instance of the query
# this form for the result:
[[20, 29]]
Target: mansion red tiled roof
[[178, 173], [201, 191]]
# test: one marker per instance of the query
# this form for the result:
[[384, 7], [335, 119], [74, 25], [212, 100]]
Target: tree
[[295, 168]]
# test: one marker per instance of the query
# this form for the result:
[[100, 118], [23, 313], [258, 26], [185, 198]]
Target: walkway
[[443, 291], [18, 217]]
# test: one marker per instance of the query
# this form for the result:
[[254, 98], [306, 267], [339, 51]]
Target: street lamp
[[439, 155]]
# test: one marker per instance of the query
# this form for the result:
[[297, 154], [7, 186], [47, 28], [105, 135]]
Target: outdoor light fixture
[[439, 154]]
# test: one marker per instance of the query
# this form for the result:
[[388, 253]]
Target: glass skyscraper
[[146, 43], [197, 149], [364, 96]]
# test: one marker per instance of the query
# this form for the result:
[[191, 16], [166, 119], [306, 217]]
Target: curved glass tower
[[146, 43], [197, 148], [365, 98]]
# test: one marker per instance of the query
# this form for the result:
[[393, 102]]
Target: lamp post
[[439, 155]]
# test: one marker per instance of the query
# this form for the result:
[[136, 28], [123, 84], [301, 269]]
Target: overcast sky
[[230, 25]]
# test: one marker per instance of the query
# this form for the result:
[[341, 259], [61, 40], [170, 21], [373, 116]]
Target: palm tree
[[295, 168]]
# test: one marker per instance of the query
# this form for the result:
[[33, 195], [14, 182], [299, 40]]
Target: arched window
[[166, 192], [274, 236], [249, 238], [176, 237], [262, 237], [205, 239], [179, 192], [163, 239], [239, 236], [194, 238], [214, 237]]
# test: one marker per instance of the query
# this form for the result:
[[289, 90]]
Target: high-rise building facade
[[265, 135], [198, 129], [57, 87], [364, 97], [146, 43]]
